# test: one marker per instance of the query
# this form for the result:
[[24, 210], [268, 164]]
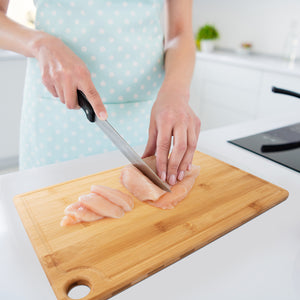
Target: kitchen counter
[[259, 260], [253, 61]]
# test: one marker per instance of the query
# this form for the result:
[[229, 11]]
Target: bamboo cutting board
[[111, 255]]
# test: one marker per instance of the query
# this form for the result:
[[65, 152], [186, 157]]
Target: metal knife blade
[[118, 140], [130, 154]]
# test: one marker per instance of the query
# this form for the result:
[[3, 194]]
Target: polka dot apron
[[121, 43]]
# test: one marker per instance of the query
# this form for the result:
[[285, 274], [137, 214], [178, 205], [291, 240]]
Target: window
[[22, 11]]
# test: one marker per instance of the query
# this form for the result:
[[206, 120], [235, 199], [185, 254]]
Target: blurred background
[[257, 46], [266, 23]]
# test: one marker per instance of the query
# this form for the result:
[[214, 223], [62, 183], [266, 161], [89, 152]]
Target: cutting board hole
[[78, 290]]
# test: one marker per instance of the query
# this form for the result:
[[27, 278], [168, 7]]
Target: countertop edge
[[253, 61]]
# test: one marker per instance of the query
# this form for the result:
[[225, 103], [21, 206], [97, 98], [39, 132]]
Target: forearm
[[179, 62], [18, 38]]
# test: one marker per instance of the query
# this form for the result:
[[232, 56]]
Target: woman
[[115, 53]]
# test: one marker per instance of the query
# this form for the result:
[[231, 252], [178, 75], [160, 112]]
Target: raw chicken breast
[[145, 190], [101, 206], [81, 212], [77, 212], [102, 202], [140, 185], [69, 220], [151, 162], [115, 196], [178, 191]]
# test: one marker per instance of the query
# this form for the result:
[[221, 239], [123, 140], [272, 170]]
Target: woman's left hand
[[171, 115]]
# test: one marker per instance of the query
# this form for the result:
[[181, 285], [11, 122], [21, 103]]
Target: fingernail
[[172, 179], [189, 167], [103, 115], [181, 175], [163, 176]]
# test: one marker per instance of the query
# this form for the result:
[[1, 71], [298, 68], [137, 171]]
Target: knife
[[117, 139]]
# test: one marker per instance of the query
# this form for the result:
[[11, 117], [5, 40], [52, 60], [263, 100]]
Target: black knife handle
[[86, 106], [286, 92]]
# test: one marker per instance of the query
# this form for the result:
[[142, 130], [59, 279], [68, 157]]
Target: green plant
[[207, 32]]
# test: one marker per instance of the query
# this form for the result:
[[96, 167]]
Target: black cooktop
[[279, 139]]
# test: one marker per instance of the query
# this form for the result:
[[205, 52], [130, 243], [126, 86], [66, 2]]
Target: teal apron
[[121, 42]]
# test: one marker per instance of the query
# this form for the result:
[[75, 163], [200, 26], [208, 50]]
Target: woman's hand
[[171, 115], [63, 73]]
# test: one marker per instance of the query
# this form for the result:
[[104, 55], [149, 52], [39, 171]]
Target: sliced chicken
[[101, 202], [115, 196], [68, 220], [139, 185], [178, 191], [101, 206], [77, 212], [107, 202], [145, 190]]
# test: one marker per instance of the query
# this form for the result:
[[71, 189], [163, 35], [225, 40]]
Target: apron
[[121, 42]]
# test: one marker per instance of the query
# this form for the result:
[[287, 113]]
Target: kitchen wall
[[265, 23]]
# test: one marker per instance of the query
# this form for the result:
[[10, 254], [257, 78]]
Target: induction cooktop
[[281, 145]]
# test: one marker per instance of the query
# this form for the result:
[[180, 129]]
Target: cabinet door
[[277, 104], [196, 90], [226, 94], [12, 75]]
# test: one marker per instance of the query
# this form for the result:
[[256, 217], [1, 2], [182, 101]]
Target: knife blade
[[120, 142]]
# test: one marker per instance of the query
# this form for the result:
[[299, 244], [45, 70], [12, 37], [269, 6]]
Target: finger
[[163, 144], [48, 84], [52, 90], [178, 152], [60, 93], [53, 84], [70, 95], [93, 97], [188, 156], [193, 143], [151, 143], [197, 128]]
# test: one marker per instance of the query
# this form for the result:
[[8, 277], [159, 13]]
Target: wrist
[[181, 90], [38, 41]]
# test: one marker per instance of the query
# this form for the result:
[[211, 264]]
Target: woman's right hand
[[63, 73]]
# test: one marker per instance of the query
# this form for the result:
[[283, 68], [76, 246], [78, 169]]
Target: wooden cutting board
[[111, 255]]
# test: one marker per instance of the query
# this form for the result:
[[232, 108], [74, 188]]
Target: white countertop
[[259, 260], [252, 60]]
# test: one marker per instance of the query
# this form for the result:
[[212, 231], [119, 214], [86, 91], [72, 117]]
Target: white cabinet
[[12, 74], [270, 103], [225, 93]]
